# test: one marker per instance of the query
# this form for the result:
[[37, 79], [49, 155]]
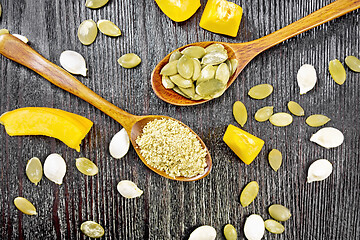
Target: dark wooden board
[[169, 209]]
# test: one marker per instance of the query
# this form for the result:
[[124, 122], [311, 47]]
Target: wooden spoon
[[245, 52], [16, 50]]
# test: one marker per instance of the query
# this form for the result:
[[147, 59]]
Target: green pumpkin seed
[[230, 232], [34, 170], [95, 3], [249, 193], [260, 91], [353, 63], [87, 32], [25, 206], [185, 67], [178, 91], [234, 64], [296, 109], [214, 58], [175, 56], [223, 73], [275, 159], [240, 113], [3, 31], [129, 60], [337, 71], [215, 48], [194, 52], [87, 167], [263, 114], [92, 229], [281, 119], [189, 92], [274, 226], [170, 68], [108, 28], [197, 97], [167, 83], [207, 73], [180, 81], [219, 92], [317, 120], [209, 87], [197, 69], [279, 212]]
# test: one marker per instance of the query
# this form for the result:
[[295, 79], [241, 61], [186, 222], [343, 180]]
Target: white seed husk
[[55, 168], [328, 137], [73, 62], [128, 189], [319, 170], [254, 227], [203, 233], [306, 78], [21, 37], [119, 144]]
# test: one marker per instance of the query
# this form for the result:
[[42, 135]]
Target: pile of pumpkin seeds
[[199, 73]]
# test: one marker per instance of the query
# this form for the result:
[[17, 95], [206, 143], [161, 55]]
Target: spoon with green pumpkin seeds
[[243, 53]]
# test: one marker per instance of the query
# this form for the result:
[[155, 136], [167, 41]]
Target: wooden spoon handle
[[14, 49], [323, 15]]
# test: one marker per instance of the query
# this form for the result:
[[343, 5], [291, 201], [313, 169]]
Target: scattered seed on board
[[203, 232], [317, 120], [319, 170], [92, 229], [108, 28], [254, 227], [128, 189], [249, 193], [25, 206], [328, 137], [119, 144], [230, 232], [281, 119], [34, 170], [306, 78], [87, 167], [275, 159], [95, 3], [87, 32], [296, 109], [353, 63], [55, 168], [3, 31], [260, 91], [73, 62], [21, 37], [194, 52], [279, 212], [263, 114], [274, 226], [337, 71], [240, 113], [129, 60]]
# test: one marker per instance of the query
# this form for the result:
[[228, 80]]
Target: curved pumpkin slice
[[178, 10], [68, 127]]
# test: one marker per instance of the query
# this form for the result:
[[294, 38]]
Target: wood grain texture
[[169, 209]]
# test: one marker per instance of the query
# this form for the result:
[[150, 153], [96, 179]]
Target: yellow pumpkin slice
[[178, 10], [68, 127]]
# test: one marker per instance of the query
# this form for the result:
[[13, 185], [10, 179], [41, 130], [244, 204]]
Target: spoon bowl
[[14, 49], [245, 52]]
